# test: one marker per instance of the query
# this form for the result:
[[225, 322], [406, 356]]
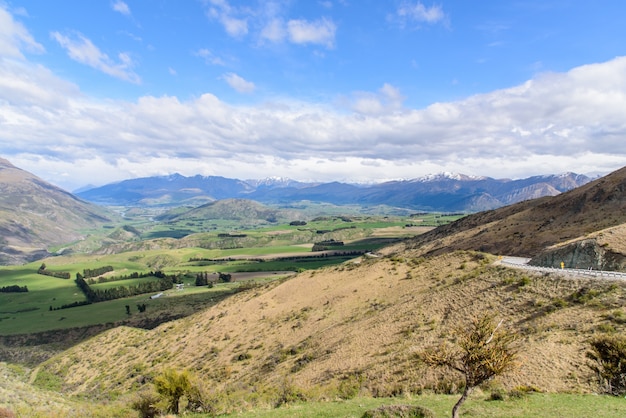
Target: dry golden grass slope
[[35, 215], [360, 323], [526, 228]]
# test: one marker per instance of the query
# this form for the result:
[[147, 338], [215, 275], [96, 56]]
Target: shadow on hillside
[[33, 349]]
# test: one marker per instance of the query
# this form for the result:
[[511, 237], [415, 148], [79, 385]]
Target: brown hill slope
[[526, 228], [358, 325], [35, 215]]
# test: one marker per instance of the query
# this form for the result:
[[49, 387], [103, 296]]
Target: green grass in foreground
[[529, 406]]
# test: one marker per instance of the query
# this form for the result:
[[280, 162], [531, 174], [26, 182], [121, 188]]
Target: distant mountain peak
[[274, 182], [447, 175], [173, 177]]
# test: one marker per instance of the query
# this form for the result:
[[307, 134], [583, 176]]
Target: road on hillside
[[522, 263]]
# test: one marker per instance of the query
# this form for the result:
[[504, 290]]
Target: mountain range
[[592, 216], [444, 192]]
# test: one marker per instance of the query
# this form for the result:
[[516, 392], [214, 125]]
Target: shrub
[[608, 361], [521, 391], [399, 411], [584, 295], [606, 328], [146, 405], [496, 395], [289, 393], [172, 386], [350, 386]]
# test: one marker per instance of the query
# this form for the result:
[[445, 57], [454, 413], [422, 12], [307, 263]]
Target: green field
[[173, 302], [528, 406], [266, 247], [29, 312], [182, 228]]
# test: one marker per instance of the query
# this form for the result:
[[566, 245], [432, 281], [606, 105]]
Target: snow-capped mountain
[[447, 192]]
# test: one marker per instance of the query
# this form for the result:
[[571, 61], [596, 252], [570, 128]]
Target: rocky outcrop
[[583, 254]]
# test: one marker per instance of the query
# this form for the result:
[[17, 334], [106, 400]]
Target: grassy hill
[[527, 228], [355, 329], [36, 216]]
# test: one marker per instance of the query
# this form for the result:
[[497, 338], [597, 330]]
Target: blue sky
[[98, 91]]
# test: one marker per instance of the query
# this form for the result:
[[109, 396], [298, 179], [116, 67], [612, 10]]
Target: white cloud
[[121, 7], [238, 83], [571, 121], [82, 50], [14, 36], [274, 31], [388, 99], [409, 12], [269, 24], [209, 57], [227, 15], [421, 13], [320, 32], [235, 27]]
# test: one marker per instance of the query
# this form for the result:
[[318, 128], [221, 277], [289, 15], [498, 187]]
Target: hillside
[[358, 327], [445, 192], [173, 190], [246, 212], [35, 215], [527, 228], [355, 327]]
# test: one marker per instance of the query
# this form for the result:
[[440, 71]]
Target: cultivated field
[[259, 254]]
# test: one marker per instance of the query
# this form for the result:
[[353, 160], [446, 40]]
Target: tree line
[[100, 295], [59, 274], [130, 276], [204, 279], [99, 271], [14, 289]]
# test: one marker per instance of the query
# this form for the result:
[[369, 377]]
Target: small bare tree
[[482, 350]]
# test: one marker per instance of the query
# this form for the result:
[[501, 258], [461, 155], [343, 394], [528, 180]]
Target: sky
[[94, 92]]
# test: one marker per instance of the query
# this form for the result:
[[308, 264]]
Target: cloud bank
[[556, 122]]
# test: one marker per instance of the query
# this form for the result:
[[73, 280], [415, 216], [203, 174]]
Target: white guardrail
[[522, 263]]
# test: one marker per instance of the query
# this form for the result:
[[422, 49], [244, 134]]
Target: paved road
[[522, 263]]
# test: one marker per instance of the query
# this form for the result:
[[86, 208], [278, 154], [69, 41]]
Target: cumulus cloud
[[14, 37], [121, 7], [208, 57], [82, 50], [565, 121], [387, 99], [274, 30], [300, 31], [238, 83], [409, 13], [229, 17], [320, 32], [270, 25]]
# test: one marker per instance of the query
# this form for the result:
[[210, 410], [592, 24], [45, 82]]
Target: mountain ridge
[[527, 228], [35, 215], [443, 192]]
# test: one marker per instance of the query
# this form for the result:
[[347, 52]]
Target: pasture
[[270, 248], [479, 405]]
